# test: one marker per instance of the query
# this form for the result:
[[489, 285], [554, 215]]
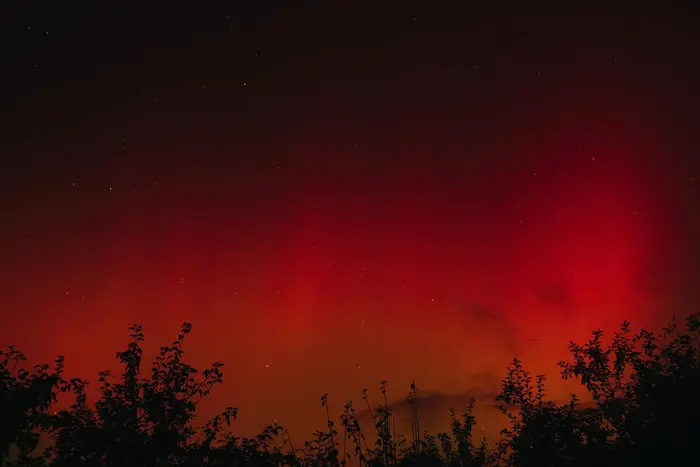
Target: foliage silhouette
[[25, 395], [643, 388]]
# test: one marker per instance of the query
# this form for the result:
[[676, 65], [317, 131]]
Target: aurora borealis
[[335, 197]]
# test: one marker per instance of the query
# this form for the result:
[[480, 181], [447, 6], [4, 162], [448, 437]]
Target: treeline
[[646, 411]]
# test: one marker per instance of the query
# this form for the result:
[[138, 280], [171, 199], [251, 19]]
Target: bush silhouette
[[25, 395], [142, 421], [644, 389]]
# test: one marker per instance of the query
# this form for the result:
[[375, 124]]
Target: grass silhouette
[[645, 388]]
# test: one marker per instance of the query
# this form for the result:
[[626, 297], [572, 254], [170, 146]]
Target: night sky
[[339, 195]]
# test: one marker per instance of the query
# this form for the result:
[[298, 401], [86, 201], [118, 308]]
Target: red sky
[[410, 235]]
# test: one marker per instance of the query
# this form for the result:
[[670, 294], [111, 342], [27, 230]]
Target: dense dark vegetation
[[645, 387]]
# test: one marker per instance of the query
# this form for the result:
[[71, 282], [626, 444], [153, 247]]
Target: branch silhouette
[[643, 385]]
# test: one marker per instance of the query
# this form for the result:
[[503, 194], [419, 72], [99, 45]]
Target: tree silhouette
[[543, 432], [644, 389], [149, 421], [25, 395]]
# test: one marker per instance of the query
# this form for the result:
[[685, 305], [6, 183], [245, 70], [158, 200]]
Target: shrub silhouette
[[25, 395], [150, 421], [644, 389]]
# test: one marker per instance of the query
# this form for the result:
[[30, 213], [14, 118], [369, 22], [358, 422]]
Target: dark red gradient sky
[[426, 197]]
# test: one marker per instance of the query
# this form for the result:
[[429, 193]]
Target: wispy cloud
[[558, 296]]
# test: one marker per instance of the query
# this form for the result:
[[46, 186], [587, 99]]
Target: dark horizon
[[290, 179]]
